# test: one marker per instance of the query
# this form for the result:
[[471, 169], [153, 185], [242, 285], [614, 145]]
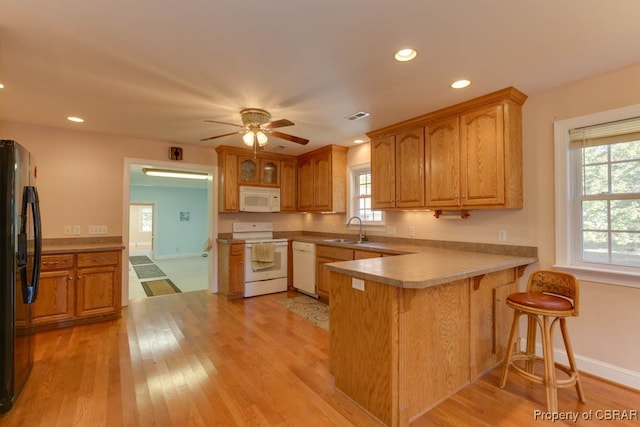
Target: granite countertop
[[63, 245], [428, 267]]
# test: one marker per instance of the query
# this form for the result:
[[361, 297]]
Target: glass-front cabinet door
[[258, 171], [270, 172]]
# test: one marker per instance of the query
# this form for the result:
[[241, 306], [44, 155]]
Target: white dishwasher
[[304, 267]]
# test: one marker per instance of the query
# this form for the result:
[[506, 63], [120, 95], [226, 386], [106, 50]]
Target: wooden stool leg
[[549, 366], [509, 349], [531, 342], [572, 360]]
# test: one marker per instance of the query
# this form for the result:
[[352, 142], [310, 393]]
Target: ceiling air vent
[[357, 116]]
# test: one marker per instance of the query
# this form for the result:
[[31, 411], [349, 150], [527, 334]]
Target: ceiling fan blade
[[220, 136], [278, 124], [224, 123], [288, 137]]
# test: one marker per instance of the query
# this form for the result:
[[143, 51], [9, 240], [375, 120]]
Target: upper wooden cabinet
[[237, 166], [322, 180], [397, 166], [472, 157]]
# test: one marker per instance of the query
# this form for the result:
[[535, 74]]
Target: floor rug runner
[[309, 308], [159, 287], [140, 259], [148, 271]]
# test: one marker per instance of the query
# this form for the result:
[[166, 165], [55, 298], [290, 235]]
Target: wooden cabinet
[[78, 288], [397, 170], [467, 165], [98, 286], [55, 302], [472, 158], [288, 185], [238, 166], [324, 255], [231, 269], [322, 180], [227, 181]]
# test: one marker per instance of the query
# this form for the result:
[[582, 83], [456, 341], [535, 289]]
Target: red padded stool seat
[[551, 297]]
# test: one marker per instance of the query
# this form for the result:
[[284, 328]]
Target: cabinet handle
[[79, 277], [99, 259], [50, 262], [70, 277]]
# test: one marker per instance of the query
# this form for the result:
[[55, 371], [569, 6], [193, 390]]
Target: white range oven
[[262, 280]]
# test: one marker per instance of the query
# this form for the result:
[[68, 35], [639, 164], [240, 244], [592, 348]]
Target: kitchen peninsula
[[409, 331]]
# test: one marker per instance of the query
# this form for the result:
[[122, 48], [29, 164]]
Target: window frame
[[354, 170], [567, 209]]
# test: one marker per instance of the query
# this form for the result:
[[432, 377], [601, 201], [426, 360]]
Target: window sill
[[602, 275]]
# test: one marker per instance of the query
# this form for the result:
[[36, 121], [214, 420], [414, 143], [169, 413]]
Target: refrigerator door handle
[[30, 287]]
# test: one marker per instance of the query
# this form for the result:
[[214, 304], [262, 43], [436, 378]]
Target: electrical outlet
[[357, 284], [391, 229], [502, 235], [97, 229], [76, 230], [412, 231]]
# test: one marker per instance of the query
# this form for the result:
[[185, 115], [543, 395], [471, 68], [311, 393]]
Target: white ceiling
[[158, 68]]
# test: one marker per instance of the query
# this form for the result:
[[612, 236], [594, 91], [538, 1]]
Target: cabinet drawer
[[93, 259], [57, 262], [334, 252]]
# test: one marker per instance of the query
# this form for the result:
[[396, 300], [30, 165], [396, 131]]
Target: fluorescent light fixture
[[358, 141], [404, 55], [168, 173], [459, 84], [75, 119]]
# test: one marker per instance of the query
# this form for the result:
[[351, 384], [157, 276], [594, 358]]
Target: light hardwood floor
[[195, 359]]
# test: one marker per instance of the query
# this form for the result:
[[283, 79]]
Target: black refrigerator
[[20, 256]]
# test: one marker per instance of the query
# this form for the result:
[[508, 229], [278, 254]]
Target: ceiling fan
[[256, 126]]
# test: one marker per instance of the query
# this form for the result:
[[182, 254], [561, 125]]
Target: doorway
[[169, 257], [141, 220]]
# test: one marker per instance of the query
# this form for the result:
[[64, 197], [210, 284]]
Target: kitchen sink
[[345, 241]]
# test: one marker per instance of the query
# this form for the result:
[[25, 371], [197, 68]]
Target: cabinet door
[[482, 157], [248, 170], [270, 172], [97, 291], [55, 297], [323, 277], [228, 182], [410, 168], [288, 185], [322, 183], [236, 270], [305, 184], [383, 173], [443, 163]]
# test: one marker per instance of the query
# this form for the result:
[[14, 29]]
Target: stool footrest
[[539, 379]]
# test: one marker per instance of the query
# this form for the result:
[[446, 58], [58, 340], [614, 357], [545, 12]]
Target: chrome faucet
[[361, 236]]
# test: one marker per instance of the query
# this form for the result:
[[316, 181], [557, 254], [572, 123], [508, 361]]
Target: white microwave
[[259, 199]]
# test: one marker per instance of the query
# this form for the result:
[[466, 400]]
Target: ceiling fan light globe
[[248, 138], [262, 138]]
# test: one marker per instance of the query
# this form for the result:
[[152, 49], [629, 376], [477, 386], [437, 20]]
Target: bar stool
[[551, 296]]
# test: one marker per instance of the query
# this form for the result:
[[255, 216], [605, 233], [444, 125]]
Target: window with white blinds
[[598, 194]]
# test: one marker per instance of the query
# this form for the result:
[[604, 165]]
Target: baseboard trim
[[598, 368], [191, 255]]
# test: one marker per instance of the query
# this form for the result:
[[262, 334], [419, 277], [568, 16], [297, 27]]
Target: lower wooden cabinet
[[78, 288], [231, 269], [324, 255]]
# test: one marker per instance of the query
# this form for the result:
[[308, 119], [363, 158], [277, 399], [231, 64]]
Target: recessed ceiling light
[[404, 55], [1, 86], [459, 84], [358, 141], [357, 116], [75, 119]]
